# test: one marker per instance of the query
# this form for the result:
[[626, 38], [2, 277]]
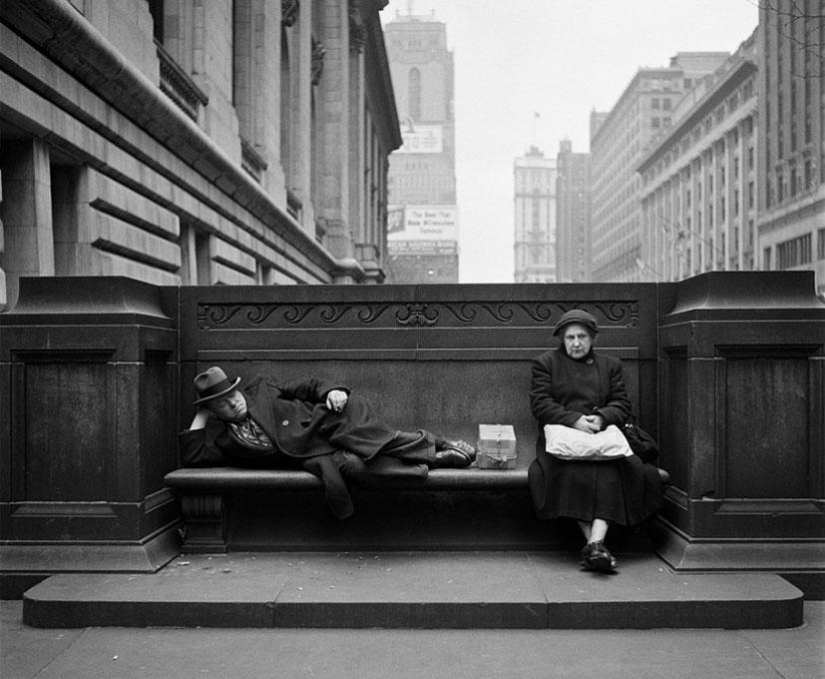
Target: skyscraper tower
[[573, 214], [423, 216], [535, 218]]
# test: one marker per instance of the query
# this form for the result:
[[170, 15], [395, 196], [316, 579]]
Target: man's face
[[230, 407], [577, 341]]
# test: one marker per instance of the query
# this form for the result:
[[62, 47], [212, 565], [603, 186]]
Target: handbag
[[641, 443], [567, 443]]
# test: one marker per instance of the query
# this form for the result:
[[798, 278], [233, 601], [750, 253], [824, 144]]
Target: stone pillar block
[[742, 422], [88, 368]]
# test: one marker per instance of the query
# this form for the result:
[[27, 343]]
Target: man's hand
[[336, 400], [589, 424]]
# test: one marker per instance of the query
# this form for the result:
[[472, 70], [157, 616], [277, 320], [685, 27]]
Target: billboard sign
[[423, 222], [422, 247], [421, 139]]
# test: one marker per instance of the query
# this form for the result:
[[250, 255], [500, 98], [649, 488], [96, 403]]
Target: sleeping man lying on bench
[[318, 426]]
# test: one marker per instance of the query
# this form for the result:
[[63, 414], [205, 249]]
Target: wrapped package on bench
[[496, 446]]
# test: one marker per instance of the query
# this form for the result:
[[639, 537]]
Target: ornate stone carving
[[289, 12], [417, 314], [318, 54], [222, 315], [204, 519], [357, 27], [238, 315]]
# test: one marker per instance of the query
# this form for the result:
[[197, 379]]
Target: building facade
[[791, 156], [535, 218], [573, 208], [194, 143], [698, 193], [618, 141], [424, 220]]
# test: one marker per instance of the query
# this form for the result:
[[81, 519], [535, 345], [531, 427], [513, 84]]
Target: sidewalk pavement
[[150, 653]]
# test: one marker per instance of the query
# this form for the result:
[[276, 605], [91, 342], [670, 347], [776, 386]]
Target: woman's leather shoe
[[595, 557]]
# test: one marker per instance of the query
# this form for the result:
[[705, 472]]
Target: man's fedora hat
[[213, 383]]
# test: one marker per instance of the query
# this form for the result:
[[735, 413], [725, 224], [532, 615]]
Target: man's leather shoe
[[455, 454], [595, 557], [462, 453]]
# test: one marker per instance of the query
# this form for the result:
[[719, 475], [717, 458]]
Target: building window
[[794, 252], [654, 103], [415, 94], [766, 259], [156, 10]]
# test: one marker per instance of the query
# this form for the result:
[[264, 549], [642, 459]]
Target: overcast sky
[[560, 59]]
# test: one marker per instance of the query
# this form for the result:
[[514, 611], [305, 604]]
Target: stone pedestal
[[742, 423], [87, 428]]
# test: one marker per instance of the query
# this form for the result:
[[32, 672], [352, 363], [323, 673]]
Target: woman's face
[[577, 341]]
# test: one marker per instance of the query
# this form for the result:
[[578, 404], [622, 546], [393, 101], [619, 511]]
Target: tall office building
[[699, 178], [535, 218], [617, 143], [573, 215], [423, 216], [791, 154]]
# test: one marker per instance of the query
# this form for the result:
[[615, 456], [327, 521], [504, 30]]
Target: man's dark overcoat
[[295, 417], [562, 390]]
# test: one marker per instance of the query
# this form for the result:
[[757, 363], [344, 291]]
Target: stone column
[[26, 213], [334, 143]]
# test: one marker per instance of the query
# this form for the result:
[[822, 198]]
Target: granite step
[[449, 590]]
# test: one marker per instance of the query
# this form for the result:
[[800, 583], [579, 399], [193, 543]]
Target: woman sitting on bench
[[575, 387]]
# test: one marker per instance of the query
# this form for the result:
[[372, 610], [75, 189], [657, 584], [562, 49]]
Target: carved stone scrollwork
[[204, 519], [243, 315], [357, 28], [625, 314], [239, 315], [289, 12], [318, 54], [417, 314]]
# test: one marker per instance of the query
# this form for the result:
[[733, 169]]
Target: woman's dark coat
[[562, 390]]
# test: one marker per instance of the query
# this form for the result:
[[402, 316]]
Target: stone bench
[[229, 508], [719, 368], [442, 359]]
